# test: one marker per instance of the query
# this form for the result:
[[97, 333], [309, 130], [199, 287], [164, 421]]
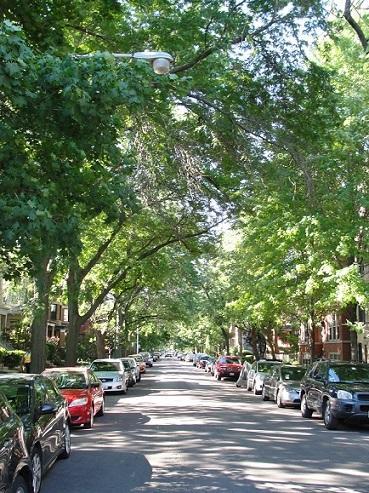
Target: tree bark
[[43, 279], [74, 319]]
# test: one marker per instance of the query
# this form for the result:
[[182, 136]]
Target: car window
[[5, 411], [18, 394], [349, 373], [292, 373], [68, 380], [51, 394], [105, 366]]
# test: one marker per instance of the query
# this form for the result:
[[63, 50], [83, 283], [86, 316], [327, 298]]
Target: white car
[[111, 373]]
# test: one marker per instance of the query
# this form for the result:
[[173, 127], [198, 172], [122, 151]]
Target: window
[[53, 311], [333, 328], [65, 315], [334, 356]]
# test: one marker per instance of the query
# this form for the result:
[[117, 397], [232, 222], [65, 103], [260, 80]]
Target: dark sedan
[[339, 391], [283, 385], [45, 417], [15, 464]]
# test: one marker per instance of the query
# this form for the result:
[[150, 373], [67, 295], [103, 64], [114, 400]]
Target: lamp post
[[160, 60]]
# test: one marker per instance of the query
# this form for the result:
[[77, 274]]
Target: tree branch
[[355, 26]]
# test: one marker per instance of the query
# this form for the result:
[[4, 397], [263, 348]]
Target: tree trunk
[[43, 281], [226, 338], [100, 344], [254, 343], [271, 340], [74, 318]]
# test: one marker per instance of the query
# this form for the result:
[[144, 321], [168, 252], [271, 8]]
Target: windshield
[[127, 366], [105, 366], [231, 361], [19, 396], [292, 373], [68, 380], [349, 373], [265, 367]]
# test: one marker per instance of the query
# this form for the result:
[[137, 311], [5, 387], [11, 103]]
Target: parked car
[[242, 379], [83, 392], [258, 371], [15, 465], [208, 365], [135, 368], [140, 362], [202, 361], [111, 373], [130, 372], [189, 357], [227, 366], [156, 355], [339, 391], [196, 358], [147, 359], [283, 385], [45, 417]]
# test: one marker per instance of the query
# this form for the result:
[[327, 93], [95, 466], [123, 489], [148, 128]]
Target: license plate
[[231, 374]]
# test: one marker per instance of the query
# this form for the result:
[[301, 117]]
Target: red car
[[227, 366], [83, 392]]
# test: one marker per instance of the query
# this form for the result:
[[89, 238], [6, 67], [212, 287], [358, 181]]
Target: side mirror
[[47, 408]]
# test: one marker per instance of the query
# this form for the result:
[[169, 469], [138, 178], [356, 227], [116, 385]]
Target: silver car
[[111, 373], [256, 374]]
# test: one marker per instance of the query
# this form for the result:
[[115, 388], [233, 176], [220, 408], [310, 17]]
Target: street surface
[[181, 431]]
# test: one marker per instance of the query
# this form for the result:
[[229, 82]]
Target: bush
[[11, 358]]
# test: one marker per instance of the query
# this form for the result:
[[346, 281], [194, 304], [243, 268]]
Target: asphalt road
[[180, 431]]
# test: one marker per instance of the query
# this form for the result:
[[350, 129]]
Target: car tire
[[20, 486], [257, 392], [101, 411], [217, 377], [36, 460], [66, 450], [89, 424], [263, 395], [330, 422], [279, 400], [305, 411], [124, 391]]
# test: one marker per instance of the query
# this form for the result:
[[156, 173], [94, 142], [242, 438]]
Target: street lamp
[[160, 60]]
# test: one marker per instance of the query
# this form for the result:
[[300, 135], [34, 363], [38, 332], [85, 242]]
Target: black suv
[[337, 390], [15, 465]]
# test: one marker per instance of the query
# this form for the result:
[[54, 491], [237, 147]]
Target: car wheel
[[36, 461], [101, 411], [89, 424], [66, 450], [256, 392], [20, 485], [330, 421], [263, 395], [217, 376], [279, 400], [305, 411]]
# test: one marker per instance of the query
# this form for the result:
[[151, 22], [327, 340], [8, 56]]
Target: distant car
[[196, 358], [202, 361], [227, 366], [242, 379], [168, 355], [111, 373], [15, 464], [189, 357], [83, 392], [208, 364], [140, 362], [44, 413], [337, 390], [147, 359], [130, 372], [134, 367], [256, 374], [283, 385]]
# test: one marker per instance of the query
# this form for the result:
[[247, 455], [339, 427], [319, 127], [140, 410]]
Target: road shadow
[[113, 470]]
